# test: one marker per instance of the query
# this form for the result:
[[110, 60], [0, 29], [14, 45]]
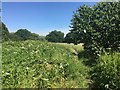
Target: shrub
[[107, 73]]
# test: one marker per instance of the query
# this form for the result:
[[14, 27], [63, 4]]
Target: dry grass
[[75, 49]]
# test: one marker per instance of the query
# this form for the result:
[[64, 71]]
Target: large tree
[[55, 36], [98, 26], [23, 34]]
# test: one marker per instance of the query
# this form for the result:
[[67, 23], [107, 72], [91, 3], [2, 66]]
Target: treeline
[[58, 36], [24, 34], [21, 34]]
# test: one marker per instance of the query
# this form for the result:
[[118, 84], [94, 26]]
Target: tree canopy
[[98, 26], [23, 34], [55, 36]]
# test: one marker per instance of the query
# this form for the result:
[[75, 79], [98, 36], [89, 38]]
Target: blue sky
[[39, 17]]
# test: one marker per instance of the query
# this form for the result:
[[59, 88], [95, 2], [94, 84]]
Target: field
[[36, 64]]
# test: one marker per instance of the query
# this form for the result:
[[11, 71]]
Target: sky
[[39, 17]]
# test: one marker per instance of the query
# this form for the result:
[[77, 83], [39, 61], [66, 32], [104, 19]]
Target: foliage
[[41, 38], [5, 32], [55, 36], [36, 64], [14, 37], [35, 36], [72, 37], [106, 74], [98, 26], [23, 34]]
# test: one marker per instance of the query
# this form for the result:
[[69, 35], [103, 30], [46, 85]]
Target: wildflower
[[61, 65], [27, 68]]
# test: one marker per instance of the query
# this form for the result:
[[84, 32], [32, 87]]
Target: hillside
[[36, 64]]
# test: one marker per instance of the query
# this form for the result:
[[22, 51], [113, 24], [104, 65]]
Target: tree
[[98, 26], [35, 36], [23, 34], [73, 37], [4, 32], [42, 38], [55, 36], [14, 37]]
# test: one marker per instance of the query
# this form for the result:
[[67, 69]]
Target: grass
[[36, 64], [74, 49]]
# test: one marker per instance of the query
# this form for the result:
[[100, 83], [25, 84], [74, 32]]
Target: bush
[[107, 73]]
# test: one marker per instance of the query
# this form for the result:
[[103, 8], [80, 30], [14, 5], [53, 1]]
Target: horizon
[[40, 17]]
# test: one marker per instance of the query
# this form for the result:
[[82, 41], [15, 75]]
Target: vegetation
[[106, 74], [73, 37], [5, 32], [19, 35], [98, 26], [55, 36], [29, 61], [23, 34], [42, 65]]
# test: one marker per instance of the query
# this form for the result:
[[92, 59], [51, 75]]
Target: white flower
[[27, 68], [107, 86], [7, 73], [84, 31], [15, 52], [61, 65]]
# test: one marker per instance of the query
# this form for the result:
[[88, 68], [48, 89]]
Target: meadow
[[36, 64]]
